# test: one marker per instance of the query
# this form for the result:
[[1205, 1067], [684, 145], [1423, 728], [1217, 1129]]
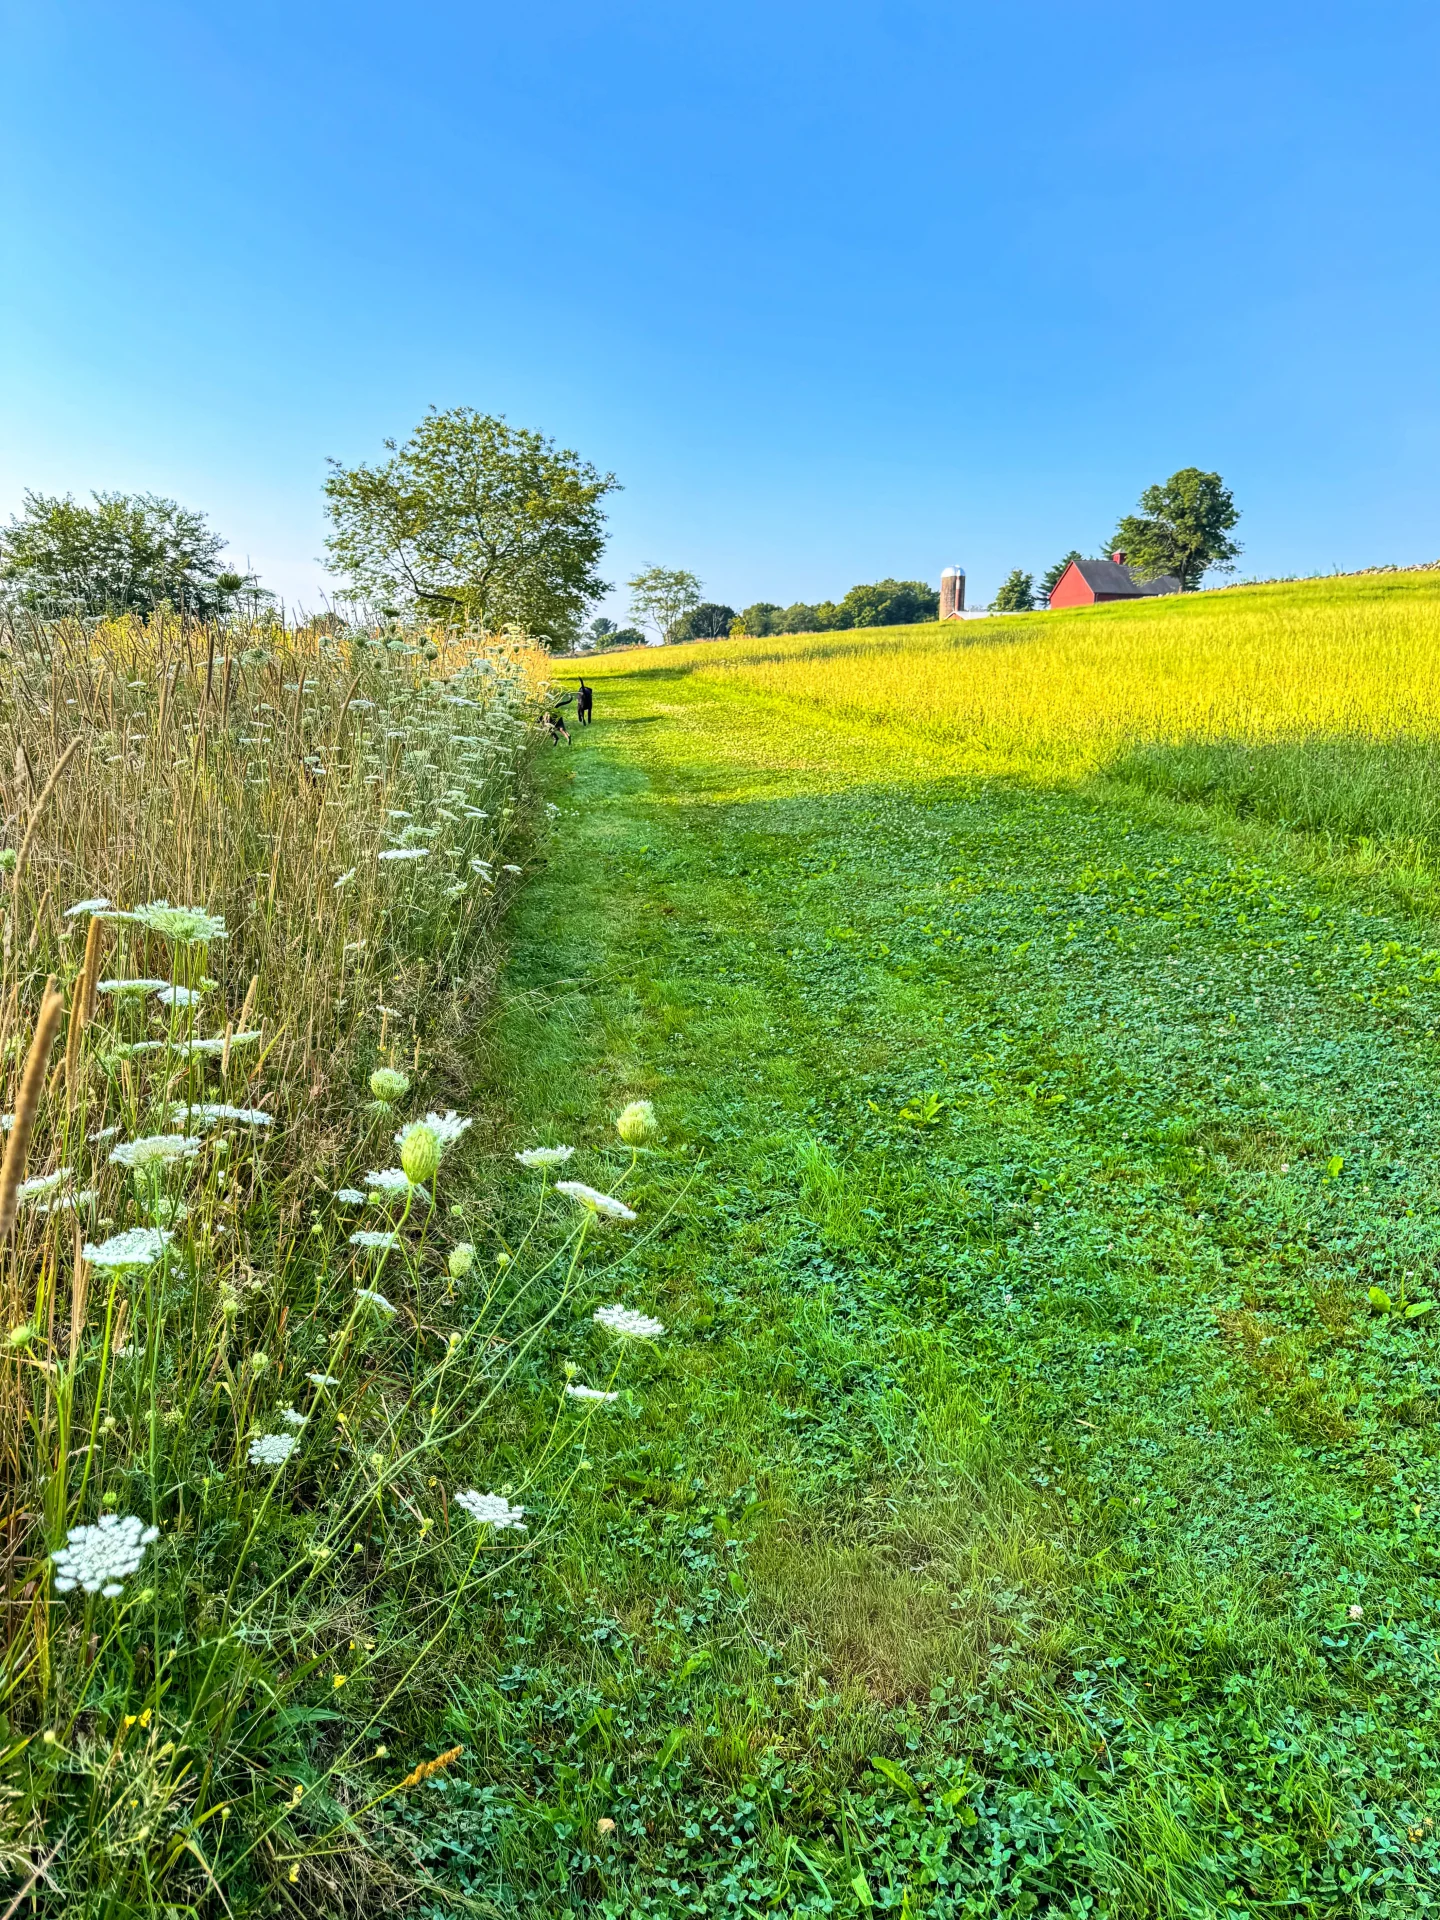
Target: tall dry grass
[[257, 866]]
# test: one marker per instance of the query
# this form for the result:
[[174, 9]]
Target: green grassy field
[[1030, 1508]]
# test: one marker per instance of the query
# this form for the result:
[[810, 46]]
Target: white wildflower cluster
[[545, 1156], [179, 997], [350, 1196], [40, 1185], [217, 1043], [98, 1559], [368, 1297], [136, 1247], [156, 1150], [211, 1113], [185, 926], [577, 1391], [447, 1128], [594, 1201], [322, 1379], [272, 1449], [628, 1324], [131, 986], [491, 1510], [292, 1418], [374, 1242], [391, 1180], [97, 905]]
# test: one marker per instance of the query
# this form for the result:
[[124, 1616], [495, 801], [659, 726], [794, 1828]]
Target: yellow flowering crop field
[[1060, 695]]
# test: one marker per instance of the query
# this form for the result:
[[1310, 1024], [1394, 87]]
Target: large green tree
[[473, 521], [711, 620], [661, 597], [1016, 595], [889, 603], [1183, 527], [760, 617], [127, 553]]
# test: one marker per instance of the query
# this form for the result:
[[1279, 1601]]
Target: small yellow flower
[[339, 1680]]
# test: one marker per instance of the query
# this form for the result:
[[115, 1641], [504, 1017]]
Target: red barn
[[1085, 583]]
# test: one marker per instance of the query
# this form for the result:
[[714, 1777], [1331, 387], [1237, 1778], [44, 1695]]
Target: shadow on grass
[[1352, 788]]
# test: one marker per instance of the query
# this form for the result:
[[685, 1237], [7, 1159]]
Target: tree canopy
[[661, 597], [1183, 528], [472, 520], [709, 621], [1016, 595], [127, 553]]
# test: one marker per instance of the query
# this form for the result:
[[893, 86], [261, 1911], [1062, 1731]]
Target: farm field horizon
[[984, 1459]]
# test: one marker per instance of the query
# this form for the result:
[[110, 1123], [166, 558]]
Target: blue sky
[[837, 291]]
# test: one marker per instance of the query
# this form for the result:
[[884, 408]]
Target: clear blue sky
[[837, 291]]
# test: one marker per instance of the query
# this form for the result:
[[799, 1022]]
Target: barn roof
[[1108, 576]]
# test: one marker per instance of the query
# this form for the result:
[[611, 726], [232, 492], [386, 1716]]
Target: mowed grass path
[[1028, 1510]]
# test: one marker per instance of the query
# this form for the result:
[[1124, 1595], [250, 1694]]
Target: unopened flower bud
[[388, 1083], [462, 1259], [637, 1123], [420, 1154]]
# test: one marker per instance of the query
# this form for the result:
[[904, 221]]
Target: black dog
[[555, 727], [584, 705]]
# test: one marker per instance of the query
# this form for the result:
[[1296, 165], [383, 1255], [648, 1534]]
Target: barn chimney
[[952, 593], [1118, 557]]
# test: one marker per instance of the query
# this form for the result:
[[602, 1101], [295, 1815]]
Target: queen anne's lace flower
[[292, 1418], [179, 997], [69, 1202], [544, 1156], [602, 1203], [272, 1449], [629, 1324], [578, 1392], [368, 1297], [447, 1128], [211, 1112], [390, 1180], [491, 1510], [97, 1559], [156, 1150], [322, 1379], [131, 986], [350, 1196], [136, 1247], [217, 1044], [375, 1242], [97, 905], [40, 1185], [186, 926], [403, 853]]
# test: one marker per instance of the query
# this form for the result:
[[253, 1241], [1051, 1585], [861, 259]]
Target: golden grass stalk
[[82, 1007], [27, 1102], [37, 811]]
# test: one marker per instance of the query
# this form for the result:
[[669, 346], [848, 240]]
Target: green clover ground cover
[[1032, 1506]]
